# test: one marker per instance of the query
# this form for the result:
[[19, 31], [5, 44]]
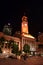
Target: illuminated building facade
[[26, 37], [22, 38], [24, 25]]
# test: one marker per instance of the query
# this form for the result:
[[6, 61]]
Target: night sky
[[12, 12]]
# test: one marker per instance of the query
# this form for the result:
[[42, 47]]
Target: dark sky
[[13, 11]]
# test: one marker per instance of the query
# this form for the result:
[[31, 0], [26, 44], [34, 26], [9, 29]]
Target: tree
[[15, 48], [7, 29], [10, 44], [26, 48], [2, 41]]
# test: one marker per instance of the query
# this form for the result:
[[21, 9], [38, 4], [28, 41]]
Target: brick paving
[[30, 61]]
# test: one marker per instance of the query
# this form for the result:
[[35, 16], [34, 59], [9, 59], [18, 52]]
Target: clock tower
[[24, 26]]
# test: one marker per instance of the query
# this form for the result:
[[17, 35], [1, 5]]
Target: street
[[35, 60]]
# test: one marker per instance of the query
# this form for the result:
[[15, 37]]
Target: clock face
[[24, 24], [24, 27]]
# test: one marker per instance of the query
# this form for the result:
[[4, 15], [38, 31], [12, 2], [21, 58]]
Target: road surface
[[30, 61]]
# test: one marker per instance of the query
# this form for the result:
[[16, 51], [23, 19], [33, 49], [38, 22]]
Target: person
[[25, 57]]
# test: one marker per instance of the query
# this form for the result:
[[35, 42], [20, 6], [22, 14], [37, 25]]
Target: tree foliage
[[7, 30], [2, 41], [10, 44], [15, 48], [26, 48]]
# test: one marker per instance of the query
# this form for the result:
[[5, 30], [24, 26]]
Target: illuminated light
[[25, 24], [4, 51], [8, 23], [28, 36], [18, 57], [33, 49], [23, 52], [5, 41]]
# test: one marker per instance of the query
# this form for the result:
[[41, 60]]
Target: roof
[[28, 35]]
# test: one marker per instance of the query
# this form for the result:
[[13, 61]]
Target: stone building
[[23, 37]]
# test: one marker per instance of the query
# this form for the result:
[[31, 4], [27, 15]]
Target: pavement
[[35, 60]]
